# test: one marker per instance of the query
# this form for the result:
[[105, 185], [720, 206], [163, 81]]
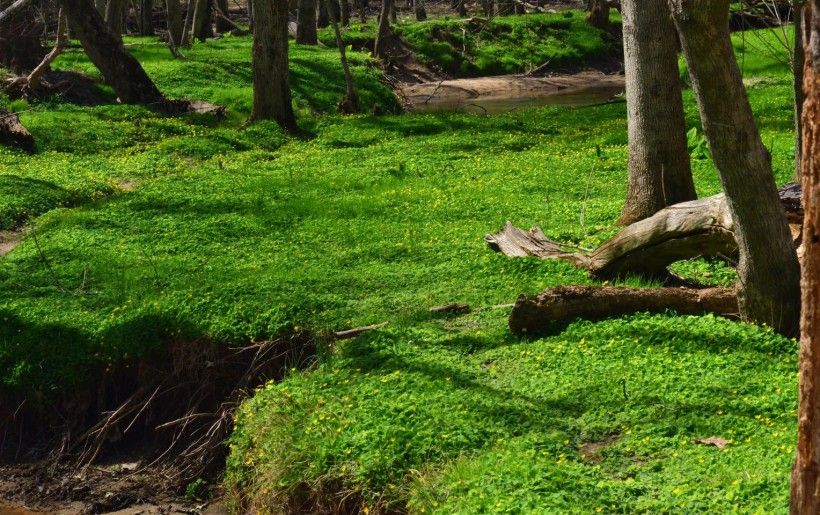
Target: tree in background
[[147, 18], [350, 103], [383, 33], [598, 15], [768, 272], [659, 168], [173, 11], [271, 83], [421, 12], [306, 23]]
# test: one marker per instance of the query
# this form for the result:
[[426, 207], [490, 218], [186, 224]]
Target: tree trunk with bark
[[306, 23], [598, 15], [223, 24], [550, 309], [271, 84], [383, 34], [201, 27], [350, 102], [119, 68], [173, 11], [362, 6], [187, 36], [21, 31], [798, 60], [421, 12], [100, 5], [13, 134], [659, 168], [115, 16], [146, 17], [805, 487], [344, 12], [769, 289], [322, 17]]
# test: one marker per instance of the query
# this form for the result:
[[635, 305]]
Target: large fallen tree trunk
[[699, 228], [12, 132], [537, 314]]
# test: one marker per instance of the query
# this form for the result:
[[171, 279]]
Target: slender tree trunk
[[459, 7], [798, 58], [383, 32], [805, 488], [173, 10], [33, 79], [421, 12], [768, 271], [146, 17], [119, 68], [350, 102], [598, 15], [187, 36], [201, 27], [659, 168], [114, 16], [393, 15], [344, 5], [362, 6], [271, 85], [306, 23]]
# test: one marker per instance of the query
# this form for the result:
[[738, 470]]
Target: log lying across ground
[[700, 228], [555, 306]]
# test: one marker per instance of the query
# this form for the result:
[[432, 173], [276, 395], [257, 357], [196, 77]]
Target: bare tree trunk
[[119, 68], [393, 15], [383, 32], [322, 18], [271, 85], [768, 271], [350, 102], [805, 488], [421, 12], [21, 31], [223, 25], [173, 10], [798, 58], [344, 5], [201, 28], [146, 17], [598, 15], [306, 23], [187, 36], [659, 168], [114, 16], [362, 6]]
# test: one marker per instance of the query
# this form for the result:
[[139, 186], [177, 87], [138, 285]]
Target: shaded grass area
[[234, 234], [505, 44]]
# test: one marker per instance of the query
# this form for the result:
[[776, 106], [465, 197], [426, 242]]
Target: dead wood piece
[[356, 331], [175, 107], [13, 134], [688, 230], [539, 313]]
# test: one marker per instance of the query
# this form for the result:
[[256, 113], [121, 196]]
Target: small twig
[[356, 331]]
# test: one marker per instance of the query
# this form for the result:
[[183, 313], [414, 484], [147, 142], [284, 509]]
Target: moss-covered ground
[[142, 229]]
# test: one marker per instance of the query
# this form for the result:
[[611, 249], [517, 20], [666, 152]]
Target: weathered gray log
[[537, 314], [698, 228], [12, 132]]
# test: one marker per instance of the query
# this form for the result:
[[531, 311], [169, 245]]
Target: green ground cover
[[147, 229], [505, 44]]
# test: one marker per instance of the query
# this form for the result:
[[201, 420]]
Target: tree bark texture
[[769, 275], [222, 24], [115, 16], [271, 85], [798, 61], [201, 27], [173, 11], [598, 15], [532, 315], [147, 17], [805, 487], [306, 23], [119, 68], [659, 170], [12, 132], [322, 16]]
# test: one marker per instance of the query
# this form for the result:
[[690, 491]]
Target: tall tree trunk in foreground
[[805, 488], [598, 15], [659, 168], [114, 16], [350, 102], [173, 11], [147, 18], [798, 58], [306, 23], [119, 68], [271, 86], [383, 32], [768, 272]]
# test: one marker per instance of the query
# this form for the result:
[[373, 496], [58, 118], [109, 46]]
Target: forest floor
[[144, 232]]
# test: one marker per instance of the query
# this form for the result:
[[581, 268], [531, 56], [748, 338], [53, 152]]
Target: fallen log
[[554, 307], [12, 132], [699, 228]]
